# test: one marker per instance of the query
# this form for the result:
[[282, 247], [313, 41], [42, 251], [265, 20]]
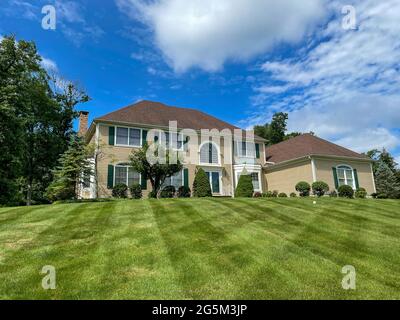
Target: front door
[[214, 181]]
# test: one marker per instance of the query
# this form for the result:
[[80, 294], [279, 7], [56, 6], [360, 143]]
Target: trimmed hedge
[[320, 188], [257, 195], [346, 192], [201, 185], [136, 191], [167, 192], [120, 191], [184, 192], [282, 195], [245, 187], [361, 193], [293, 195], [303, 188]]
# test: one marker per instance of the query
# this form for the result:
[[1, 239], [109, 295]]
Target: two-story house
[[221, 149]]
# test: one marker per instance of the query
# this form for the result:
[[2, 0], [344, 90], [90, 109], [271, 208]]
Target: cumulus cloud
[[345, 86], [207, 33]]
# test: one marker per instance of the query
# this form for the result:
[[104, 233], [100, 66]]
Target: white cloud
[[345, 88], [207, 33], [49, 64]]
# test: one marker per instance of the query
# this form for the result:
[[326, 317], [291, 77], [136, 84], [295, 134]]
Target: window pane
[[244, 149], [251, 150], [340, 173], [122, 136], [205, 153], [120, 175], [133, 177], [214, 154], [134, 137], [342, 182], [256, 181], [167, 182], [350, 182], [177, 180]]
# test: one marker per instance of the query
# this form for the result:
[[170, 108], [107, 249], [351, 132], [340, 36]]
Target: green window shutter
[[144, 137], [110, 176], [335, 178], [143, 182], [186, 177], [257, 151], [111, 135], [356, 179]]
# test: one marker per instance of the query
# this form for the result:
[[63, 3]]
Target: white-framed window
[[171, 140], [176, 180], [130, 137], [209, 154], [126, 175], [245, 149], [345, 176]]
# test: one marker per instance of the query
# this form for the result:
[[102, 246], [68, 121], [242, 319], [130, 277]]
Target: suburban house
[[223, 151]]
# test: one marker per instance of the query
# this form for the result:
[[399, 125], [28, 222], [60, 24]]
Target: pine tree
[[245, 187], [201, 185], [74, 166], [387, 185]]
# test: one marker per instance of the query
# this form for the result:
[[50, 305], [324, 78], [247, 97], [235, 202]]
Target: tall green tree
[[275, 131], [74, 166], [386, 183]]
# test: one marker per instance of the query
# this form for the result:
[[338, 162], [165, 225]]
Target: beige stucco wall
[[285, 178], [116, 154], [324, 172]]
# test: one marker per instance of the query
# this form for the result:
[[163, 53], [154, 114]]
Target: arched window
[[126, 175], [345, 175], [209, 153]]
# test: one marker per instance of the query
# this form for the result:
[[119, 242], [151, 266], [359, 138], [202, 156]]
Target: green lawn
[[202, 249]]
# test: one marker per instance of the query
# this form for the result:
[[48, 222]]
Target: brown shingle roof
[[158, 114], [306, 145]]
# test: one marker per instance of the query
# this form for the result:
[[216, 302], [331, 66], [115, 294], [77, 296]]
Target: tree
[[382, 156], [244, 187], [275, 131], [387, 185], [74, 166], [156, 172], [201, 185]]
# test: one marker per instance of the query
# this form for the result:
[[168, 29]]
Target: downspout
[[373, 177], [313, 168]]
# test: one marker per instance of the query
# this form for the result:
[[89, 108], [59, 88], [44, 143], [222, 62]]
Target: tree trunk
[[29, 194]]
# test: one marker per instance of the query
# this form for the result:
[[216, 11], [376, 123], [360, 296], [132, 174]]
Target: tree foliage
[[201, 185], [74, 165], [275, 131], [155, 172], [244, 187], [386, 182]]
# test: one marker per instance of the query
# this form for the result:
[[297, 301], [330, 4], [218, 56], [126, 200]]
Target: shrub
[[374, 195], [167, 192], [361, 193], [271, 194], [184, 192], [120, 191], [320, 188], [245, 187], [136, 191], [257, 195], [333, 194], [382, 196], [201, 185], [303, 188], [152, 195], [346, 192], [293, 195], [282, 195]]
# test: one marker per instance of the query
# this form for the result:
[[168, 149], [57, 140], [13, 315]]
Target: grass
[[202, 249]]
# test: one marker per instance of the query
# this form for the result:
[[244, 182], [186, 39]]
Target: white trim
[[129, 137], [314, 170], [240, 155], [373, 177], [218, 154], [250, 168], [125, 165], [345, 174]]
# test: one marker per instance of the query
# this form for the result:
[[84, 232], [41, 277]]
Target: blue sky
[[238, 61]]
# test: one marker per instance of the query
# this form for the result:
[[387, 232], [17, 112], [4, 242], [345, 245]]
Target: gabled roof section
[[307, 145], [159, 114]]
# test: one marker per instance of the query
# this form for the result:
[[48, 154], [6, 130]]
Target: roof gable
[[306, 145]]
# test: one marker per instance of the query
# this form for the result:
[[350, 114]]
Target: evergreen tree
[[245, 187], [74, 166], [387, 185], [201, 185]]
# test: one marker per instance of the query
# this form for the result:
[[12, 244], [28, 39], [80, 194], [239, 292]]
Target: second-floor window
[[209, 154], [245, 149], [128, 137]]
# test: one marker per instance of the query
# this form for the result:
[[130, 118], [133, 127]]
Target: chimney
[[83, 122]]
